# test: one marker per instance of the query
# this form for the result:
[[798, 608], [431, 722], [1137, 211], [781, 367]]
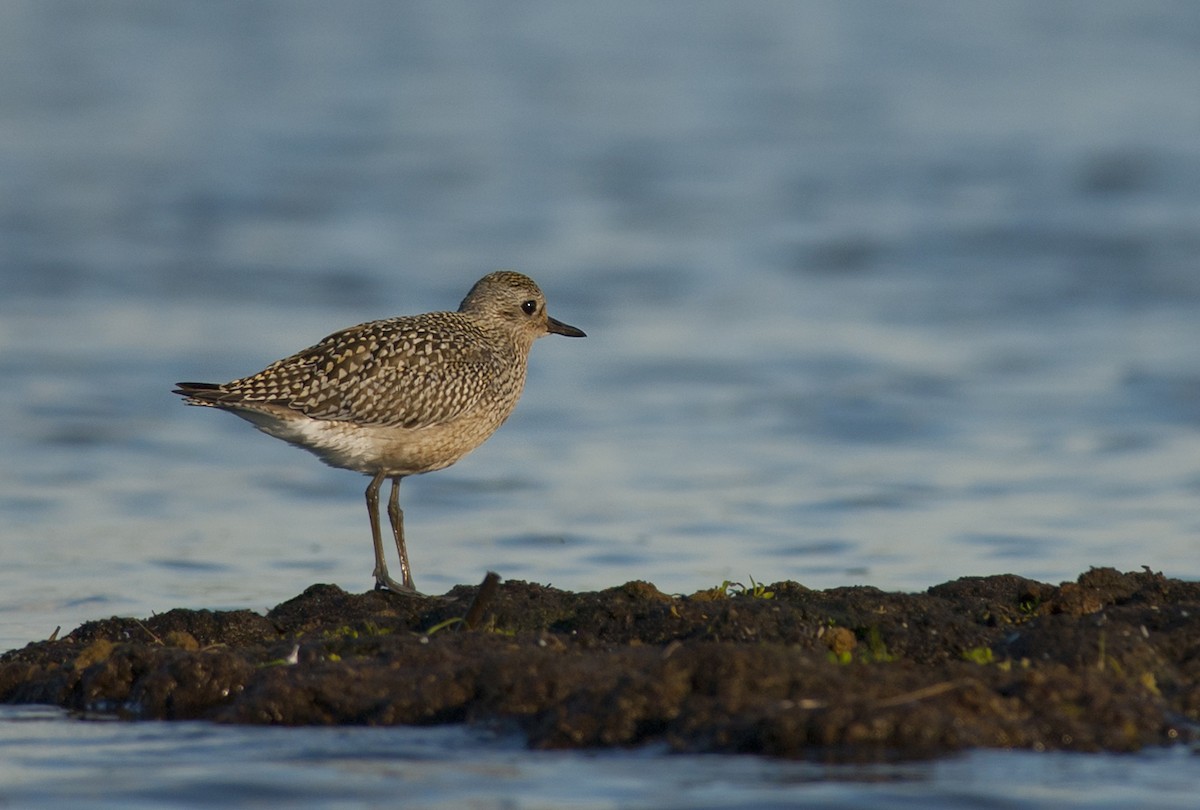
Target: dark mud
[[1108, 663]]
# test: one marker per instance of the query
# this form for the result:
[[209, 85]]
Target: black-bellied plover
[[400, 396]]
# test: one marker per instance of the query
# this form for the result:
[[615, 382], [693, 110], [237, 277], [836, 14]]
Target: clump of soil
[[1110, 662]]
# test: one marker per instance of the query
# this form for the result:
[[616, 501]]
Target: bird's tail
[[198, 393]]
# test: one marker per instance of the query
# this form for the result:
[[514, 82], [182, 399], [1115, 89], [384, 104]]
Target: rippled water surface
[[875, 294], [156, 765]]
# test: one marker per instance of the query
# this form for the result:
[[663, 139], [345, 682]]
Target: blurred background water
[[876, 293]]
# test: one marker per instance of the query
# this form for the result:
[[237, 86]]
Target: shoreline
[[1106, 663]]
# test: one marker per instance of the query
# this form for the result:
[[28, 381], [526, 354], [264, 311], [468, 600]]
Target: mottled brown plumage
[[400, 396]]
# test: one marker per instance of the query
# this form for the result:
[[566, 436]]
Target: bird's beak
[[560, 328]]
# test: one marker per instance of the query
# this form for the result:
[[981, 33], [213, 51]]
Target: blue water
[[158, 765], [876, 293]]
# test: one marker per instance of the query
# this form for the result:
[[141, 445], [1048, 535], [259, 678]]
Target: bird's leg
[[382, 580], [396, 515], [380, 573]]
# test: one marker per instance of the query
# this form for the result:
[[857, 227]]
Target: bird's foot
[[386, 583]]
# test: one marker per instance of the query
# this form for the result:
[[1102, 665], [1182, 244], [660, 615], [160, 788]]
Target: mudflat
[[1110, 662]]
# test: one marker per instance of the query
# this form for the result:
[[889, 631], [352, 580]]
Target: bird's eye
[[529, 307]]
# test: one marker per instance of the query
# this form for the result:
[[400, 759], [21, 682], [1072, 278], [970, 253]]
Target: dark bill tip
[[560, 328]]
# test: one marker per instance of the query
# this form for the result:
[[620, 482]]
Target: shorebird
[[400, 396]]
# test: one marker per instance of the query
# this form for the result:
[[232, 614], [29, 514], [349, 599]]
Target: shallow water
[[874, 296], [123, 765]]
